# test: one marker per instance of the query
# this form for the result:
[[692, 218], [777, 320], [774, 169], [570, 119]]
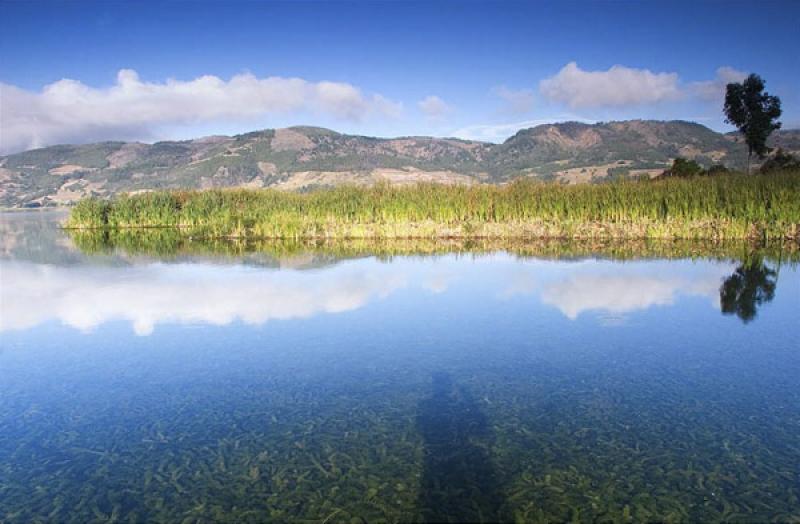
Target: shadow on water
[[459, 483], [750, 286]]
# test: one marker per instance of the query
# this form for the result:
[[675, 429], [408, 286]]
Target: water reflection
[[459, 483], [146, 293], [45, 278], [615, 290], [35, 236], [153, 293], [542, 415], [750, 286], [626, 293]]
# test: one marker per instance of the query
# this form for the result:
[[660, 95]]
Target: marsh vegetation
[[728, 206]]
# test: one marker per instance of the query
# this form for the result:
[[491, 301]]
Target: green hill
[[304, 157]]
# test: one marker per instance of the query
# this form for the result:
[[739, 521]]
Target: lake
[[319, 385]]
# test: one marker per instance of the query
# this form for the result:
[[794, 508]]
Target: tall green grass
[[724, 206]]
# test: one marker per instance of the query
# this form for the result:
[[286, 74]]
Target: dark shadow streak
[[459, 483]]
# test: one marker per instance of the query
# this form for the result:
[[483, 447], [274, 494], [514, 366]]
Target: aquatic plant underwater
[[458, 483], [567, 447]]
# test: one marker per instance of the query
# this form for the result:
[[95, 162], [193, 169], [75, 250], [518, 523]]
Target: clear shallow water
[[454, 387]]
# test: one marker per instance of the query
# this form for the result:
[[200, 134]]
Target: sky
[[77, 72]]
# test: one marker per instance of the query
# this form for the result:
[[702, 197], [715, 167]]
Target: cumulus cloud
[[434, 107], [618, 86], [70, 111], [516, 101], [714, 90]]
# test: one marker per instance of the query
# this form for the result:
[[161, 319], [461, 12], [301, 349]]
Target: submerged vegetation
[[720, 207], [299, 440]]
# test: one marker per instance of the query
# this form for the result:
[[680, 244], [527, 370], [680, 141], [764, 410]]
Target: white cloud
[[618, 86], [586, 89], [70, 111], [714, 90], [434, 107], [517, 101], [500, 132]]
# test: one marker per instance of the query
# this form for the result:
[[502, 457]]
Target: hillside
[[306, 157]]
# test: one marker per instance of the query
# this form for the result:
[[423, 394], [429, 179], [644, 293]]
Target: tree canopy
[[780, 161], [683, 168], [754, 112]]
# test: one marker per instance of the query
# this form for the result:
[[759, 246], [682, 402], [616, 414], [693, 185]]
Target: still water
[[318, 387]]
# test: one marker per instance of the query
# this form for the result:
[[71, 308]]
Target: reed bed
[[733, 206]]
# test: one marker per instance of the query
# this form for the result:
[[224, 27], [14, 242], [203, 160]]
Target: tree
[[754, 112], [780, 161], [683, 168], [717, 169]]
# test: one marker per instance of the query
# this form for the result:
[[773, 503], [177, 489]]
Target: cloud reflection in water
[[149, 294], [616, 289]]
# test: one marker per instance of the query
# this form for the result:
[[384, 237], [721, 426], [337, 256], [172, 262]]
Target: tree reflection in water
[[751, 285]]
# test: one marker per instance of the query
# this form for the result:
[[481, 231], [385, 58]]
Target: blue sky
[[82, 71]]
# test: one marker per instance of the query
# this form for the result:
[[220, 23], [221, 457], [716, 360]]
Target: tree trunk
[[749, 154]]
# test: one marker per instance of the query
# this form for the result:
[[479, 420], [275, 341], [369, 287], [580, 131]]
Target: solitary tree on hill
[[754, 112]]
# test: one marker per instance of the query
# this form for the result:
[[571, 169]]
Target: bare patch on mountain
[[290, 140], [66, 169]]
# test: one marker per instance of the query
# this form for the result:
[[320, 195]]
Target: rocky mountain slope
[[304, 157]]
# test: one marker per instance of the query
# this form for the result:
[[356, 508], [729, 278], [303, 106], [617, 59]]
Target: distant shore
[[730, 206]]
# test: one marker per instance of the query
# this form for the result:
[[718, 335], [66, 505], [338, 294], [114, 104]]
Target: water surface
[[472, 386]]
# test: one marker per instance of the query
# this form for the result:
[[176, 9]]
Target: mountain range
[[300, 158]]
